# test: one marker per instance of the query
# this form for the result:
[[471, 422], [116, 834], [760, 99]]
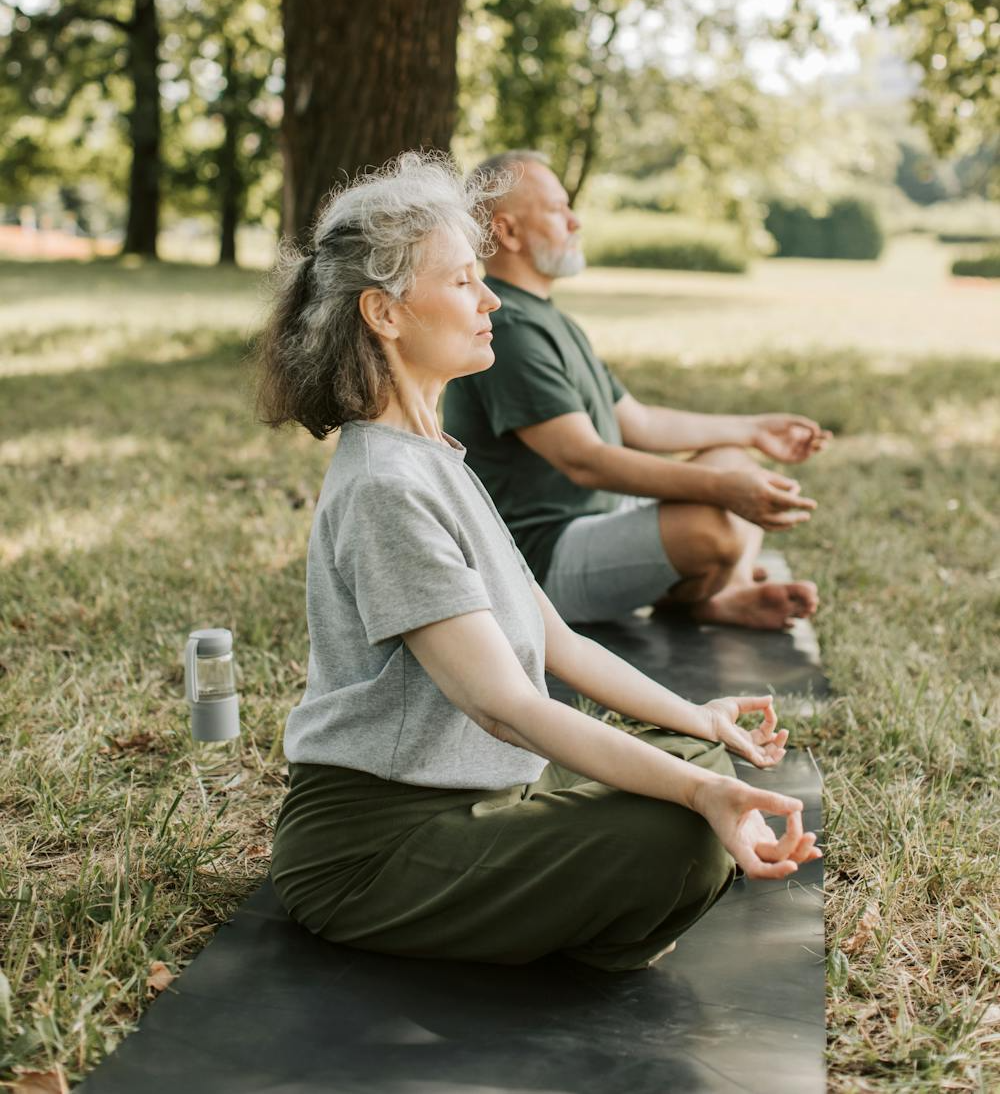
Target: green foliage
[[663, 242], [535, 77], [955, 43], [716, 149], [693, 149], [922, 177], [968, 237], [987, 265], [63, 119], [224, 65], [63, 106], [850, 229]]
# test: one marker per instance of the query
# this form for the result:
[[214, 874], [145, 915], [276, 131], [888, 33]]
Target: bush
[[987, 265], [662, 242], [968, 237], [851, 229]]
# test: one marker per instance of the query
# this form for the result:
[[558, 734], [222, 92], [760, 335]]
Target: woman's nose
[[489, 301]]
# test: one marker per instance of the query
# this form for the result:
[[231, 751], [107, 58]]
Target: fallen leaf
[[159, 977], [258, 850], [41, 1082], [138, 742], [863, 932], [991, 1016]]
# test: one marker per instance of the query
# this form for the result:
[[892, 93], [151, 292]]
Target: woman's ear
[[378, 312]]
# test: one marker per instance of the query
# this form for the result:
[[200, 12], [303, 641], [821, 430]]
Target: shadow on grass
[[168, 399], [20, 280]]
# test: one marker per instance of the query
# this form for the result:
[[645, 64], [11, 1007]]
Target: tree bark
[[363, 82], [230, 178], [144, 132]]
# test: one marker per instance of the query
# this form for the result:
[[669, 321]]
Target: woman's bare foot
[[767, 606]]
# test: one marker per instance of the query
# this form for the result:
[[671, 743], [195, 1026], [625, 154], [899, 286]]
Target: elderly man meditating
[[568, 455]]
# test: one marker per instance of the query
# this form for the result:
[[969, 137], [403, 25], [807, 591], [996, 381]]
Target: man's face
[[549, 227]]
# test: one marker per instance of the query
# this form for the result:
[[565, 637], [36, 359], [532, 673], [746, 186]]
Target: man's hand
[[788, 438], [763, 746], [733, 808], [765, 498]]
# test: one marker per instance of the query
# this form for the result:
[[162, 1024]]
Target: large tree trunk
[[144, 132], [230, 178], [363, 82]]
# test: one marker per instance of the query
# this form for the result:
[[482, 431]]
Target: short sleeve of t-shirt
[[529, 384], [396, 554], [616, 385]]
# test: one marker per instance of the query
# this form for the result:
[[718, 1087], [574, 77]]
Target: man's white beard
[[549, 261]]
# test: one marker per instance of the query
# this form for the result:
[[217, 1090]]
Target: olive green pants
[[565, 864]]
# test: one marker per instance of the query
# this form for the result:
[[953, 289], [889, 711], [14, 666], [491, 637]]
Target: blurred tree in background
[[65, 52], [186, 93], [223, 77]]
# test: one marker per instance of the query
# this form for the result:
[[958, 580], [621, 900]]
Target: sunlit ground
[[906, 303]]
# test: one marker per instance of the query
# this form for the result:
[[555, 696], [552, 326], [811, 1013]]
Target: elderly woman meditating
[[440, 803]]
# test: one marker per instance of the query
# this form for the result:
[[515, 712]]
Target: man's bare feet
[[768, 606]]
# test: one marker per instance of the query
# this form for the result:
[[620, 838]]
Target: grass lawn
[[140, 500]]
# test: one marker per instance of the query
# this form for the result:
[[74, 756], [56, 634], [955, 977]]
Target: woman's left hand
[[763, 746]]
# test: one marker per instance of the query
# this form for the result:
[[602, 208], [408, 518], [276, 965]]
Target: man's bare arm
[[574, 447], [662, 429]]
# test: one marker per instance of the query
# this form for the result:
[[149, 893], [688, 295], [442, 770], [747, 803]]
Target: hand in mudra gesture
[[788, 438], [734, 810], [773, 502], [763, 746]]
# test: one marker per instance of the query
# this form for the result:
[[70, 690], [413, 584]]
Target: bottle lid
[[213, 641]]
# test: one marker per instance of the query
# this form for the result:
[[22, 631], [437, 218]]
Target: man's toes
[[759, 573], [803, 598]]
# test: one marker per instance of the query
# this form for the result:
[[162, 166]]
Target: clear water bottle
[[210, 687]]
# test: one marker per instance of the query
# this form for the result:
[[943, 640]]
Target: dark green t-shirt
[[545, 367]]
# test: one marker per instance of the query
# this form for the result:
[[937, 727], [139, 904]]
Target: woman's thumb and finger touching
[[776, 857]]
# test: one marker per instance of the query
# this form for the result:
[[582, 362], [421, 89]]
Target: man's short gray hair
[[319, 362], [505, 170]]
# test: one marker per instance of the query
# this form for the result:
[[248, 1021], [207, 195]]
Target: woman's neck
[[413, 407]]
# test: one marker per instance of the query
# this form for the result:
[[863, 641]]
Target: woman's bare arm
[[471, 661], [596, 672]]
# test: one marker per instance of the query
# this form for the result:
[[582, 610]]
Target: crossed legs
[[714, 553]]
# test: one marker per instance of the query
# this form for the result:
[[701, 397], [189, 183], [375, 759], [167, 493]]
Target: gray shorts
[[609, 564]]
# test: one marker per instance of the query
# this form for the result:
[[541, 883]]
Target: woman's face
[[443, 325]]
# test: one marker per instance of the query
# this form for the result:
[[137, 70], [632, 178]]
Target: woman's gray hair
[[320, 364]]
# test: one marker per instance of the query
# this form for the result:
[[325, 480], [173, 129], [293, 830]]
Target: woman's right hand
[[733, 809]]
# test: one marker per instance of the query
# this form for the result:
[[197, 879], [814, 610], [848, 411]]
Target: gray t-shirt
[[405, 535]]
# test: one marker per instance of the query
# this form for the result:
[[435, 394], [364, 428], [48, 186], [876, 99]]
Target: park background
[[785, 205]]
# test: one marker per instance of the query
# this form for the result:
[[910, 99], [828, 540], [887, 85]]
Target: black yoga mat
[[266, 1007], [701, 662]]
